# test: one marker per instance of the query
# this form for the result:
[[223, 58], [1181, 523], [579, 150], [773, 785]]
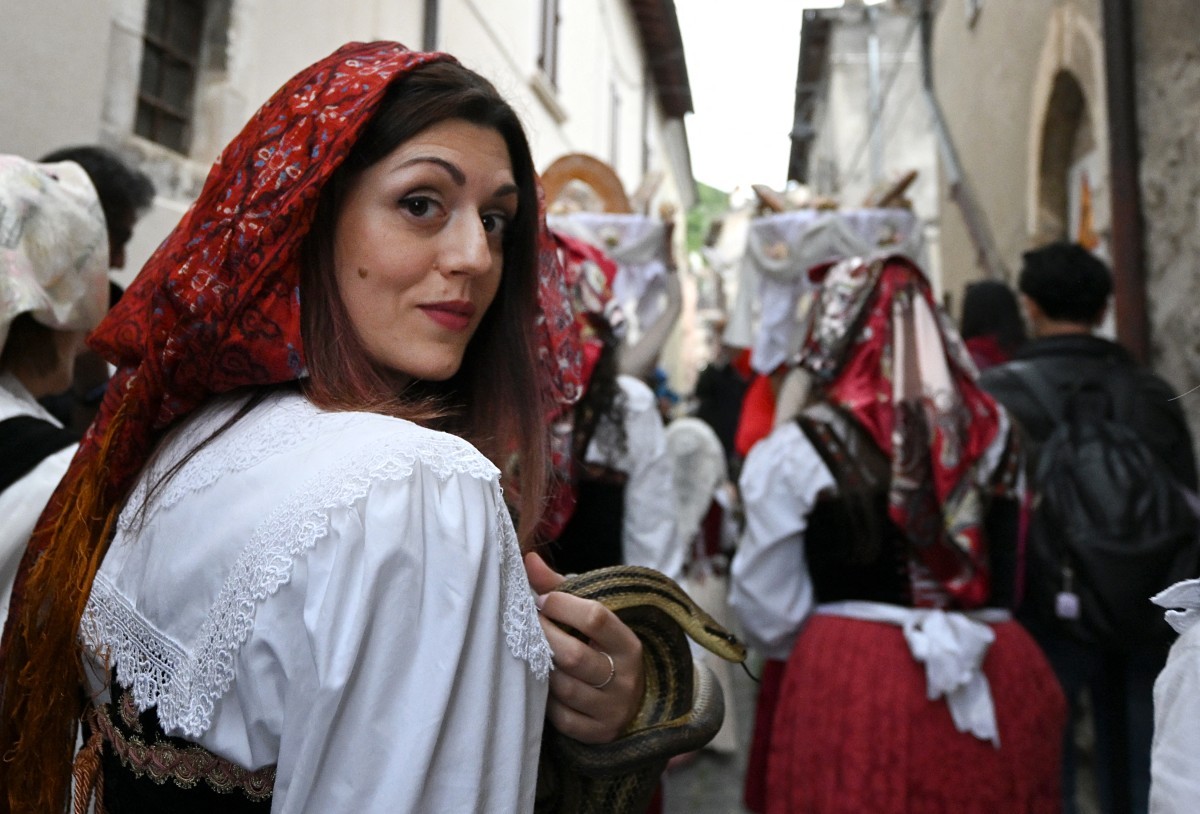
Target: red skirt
[[754, 793], [853, 731]]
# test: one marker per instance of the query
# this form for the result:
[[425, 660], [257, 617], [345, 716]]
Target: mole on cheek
[[362, 273]]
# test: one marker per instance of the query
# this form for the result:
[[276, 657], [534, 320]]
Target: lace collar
[[186, 681]]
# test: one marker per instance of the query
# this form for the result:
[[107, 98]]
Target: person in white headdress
[[53, 290], [706, 530]]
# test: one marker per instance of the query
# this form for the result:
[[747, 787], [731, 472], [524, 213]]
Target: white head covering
[[53, 246], [698, 463]]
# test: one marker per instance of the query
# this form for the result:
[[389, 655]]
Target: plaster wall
[[52, 92], [79, 64], [992, 79], [994, 82], [906, 136]]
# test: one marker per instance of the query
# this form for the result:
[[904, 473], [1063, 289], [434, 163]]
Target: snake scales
[[682, 708]]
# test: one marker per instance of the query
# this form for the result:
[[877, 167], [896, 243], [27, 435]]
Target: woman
[[623, 510], [283, 543], [878, 560], [53, 289], [992, 328], [706, 530]]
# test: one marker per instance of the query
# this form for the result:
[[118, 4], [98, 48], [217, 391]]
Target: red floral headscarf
[[587, 274], [885, 353], [217, 306]]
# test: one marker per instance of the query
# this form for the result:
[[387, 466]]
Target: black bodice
[[592, 537], [144, 769]]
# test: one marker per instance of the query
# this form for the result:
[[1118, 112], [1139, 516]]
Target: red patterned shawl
[[217, 306], [885, 352], [587, 274]]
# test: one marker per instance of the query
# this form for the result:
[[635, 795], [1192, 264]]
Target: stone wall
[[1168, 85]]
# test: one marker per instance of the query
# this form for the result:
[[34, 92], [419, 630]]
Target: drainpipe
[[429, 30], [986, 256], [1128, 249]]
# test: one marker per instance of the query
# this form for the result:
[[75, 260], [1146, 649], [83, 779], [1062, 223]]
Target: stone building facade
[[1017, 98], [1024, 88], [581, 75], [861, 120]]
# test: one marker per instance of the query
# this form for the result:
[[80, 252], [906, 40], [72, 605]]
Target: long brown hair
[[493, 401]]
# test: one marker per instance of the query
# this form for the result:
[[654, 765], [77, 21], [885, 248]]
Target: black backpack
[[1110, 527]]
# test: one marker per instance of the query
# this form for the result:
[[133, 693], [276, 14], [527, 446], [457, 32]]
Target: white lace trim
[[113, 629], [522, 625], [185, 686], [287, 422]]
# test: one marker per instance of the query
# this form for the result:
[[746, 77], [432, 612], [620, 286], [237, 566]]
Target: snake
[[682, 707]]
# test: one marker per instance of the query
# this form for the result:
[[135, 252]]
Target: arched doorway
[[1068, 174], [1069, 165]]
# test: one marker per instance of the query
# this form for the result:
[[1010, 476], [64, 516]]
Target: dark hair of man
[[990, 309], [1067, 282], [124, 192], [494, 400]]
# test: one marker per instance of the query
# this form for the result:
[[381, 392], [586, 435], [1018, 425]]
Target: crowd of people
[[286, 535]]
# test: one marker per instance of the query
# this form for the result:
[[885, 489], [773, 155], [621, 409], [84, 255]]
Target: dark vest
[[592, 537], [853, 549], [26, 441], [144, 769]]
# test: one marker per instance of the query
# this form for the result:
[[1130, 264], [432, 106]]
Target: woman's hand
[[591, 699]]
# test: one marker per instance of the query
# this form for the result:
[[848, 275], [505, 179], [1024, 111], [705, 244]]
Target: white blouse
[[770, 590], [1175, 752], [648, 528], [22, 502], [339, 594]]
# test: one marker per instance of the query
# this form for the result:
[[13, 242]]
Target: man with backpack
[[1110, 456]]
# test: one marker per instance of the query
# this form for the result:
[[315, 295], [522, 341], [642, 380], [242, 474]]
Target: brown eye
[[494, 223], [418, 206]]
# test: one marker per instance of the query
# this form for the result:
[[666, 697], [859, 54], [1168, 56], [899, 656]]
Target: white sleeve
[[400, 692], [20, 505], [648, 528], [1175, 753], [770, 589]]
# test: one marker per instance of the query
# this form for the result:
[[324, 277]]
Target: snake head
[[724, 644]]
